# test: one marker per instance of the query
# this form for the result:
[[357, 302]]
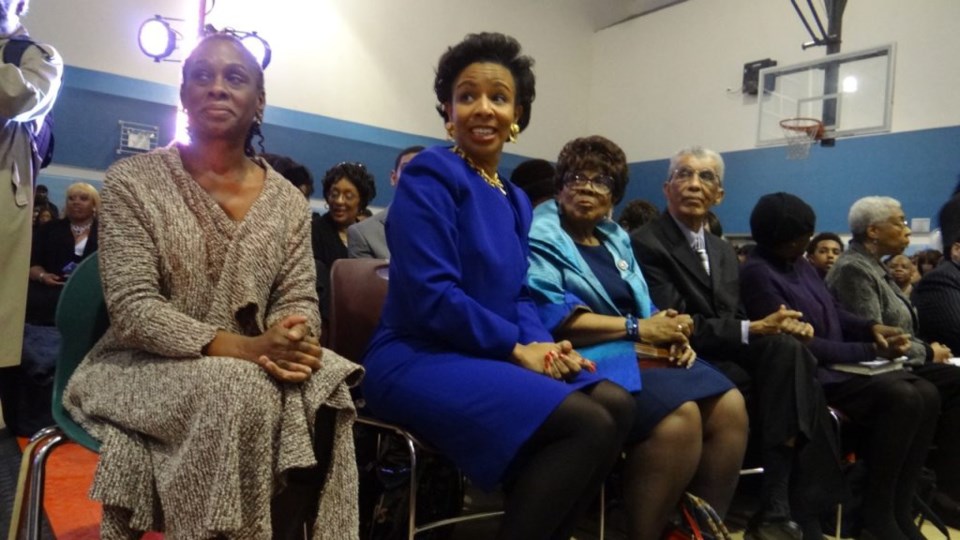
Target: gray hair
[[870, 211], [698, 152]]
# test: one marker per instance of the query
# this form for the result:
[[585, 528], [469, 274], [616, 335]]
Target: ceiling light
[[156, 38]]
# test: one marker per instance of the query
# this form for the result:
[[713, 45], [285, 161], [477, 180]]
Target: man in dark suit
[[695, 272], [937, 296]]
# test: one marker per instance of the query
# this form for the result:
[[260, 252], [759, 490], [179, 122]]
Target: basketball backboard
[[851, 93]]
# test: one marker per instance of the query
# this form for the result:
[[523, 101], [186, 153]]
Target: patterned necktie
[[700, 248]]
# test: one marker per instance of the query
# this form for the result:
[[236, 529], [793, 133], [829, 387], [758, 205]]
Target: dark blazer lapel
[[680, 250]]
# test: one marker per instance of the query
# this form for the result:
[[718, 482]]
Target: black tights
[[562, 467], [901, 417]]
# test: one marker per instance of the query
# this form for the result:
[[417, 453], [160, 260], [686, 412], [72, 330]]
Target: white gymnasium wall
[[365, 61], [670, 79]]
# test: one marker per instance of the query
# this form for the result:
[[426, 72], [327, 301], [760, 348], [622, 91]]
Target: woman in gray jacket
[[864, 286]]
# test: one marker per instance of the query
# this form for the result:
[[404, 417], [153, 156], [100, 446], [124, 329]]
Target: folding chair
[[81, 318], [358, 291]]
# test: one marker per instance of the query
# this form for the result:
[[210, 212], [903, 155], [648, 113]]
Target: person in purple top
[[898, 409]]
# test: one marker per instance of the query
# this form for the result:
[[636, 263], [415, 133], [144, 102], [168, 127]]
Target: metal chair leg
[[30, 484], [23, 491], [35, 505], [839, 517], [603, 511], [412, 509]]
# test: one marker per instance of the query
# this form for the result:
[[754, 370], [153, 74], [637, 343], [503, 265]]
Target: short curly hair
[[594, 153], [487, 47], [869, 211], [637, 213], [357, 174], [931, 257], [298, 175], [815, 241]]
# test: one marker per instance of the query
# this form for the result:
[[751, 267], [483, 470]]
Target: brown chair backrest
[[358, 289]]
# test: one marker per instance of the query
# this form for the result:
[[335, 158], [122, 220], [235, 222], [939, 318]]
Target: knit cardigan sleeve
[[140, 316]]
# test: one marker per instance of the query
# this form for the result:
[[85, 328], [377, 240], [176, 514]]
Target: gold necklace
[[492, 180]]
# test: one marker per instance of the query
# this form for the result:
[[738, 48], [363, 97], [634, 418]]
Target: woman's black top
[[54, 250], [327, 247]]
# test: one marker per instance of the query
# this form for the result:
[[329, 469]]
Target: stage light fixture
[[258, 47], [251, 41], [156, 38]]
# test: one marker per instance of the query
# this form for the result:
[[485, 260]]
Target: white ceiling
[[606, 13]]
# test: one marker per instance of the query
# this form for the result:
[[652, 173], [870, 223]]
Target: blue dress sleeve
[[554, 303], [427, 269]]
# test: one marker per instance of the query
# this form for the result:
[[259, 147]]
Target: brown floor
[[486, 529]]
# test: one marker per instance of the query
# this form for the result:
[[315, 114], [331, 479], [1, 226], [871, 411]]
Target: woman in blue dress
[[460, 356], [690, 426]]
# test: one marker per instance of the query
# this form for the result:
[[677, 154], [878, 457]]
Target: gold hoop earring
[[514, 132], [450, 130]]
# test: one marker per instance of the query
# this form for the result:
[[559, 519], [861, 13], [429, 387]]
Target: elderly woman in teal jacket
[[691, 424]]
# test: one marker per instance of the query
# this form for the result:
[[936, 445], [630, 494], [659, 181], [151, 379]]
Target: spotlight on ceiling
[[156, 38]]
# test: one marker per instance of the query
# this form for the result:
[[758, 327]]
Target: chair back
[[358, 289], [82, 319]]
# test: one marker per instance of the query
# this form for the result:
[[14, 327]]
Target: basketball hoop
[[801, 133]]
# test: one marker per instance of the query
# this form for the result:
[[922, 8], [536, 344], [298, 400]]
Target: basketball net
[[800, 134]]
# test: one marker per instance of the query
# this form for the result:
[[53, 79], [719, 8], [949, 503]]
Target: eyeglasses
[[347, 196], [686, 174], [602, 183], [903, 223]]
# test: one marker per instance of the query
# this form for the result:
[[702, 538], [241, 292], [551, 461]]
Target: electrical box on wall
[[751, 74]]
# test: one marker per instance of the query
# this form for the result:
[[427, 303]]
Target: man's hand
[[941, 353], [782, 321]]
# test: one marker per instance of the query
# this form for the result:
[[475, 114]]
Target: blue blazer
[[458, 272]]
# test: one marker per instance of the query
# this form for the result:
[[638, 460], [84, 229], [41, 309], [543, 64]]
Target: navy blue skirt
[[665, 389]]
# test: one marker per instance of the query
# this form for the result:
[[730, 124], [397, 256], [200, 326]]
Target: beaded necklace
[[80, 229], [492, 180]]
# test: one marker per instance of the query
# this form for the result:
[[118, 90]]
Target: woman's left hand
[[665, 327], [683, 320], [572, 361], [51, 280], [289, 346]]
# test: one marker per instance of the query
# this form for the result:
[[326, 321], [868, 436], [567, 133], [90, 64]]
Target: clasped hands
[[556, 360], [889, 341], [669, 328], [287, 351], [892, 342], [783, 321]]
